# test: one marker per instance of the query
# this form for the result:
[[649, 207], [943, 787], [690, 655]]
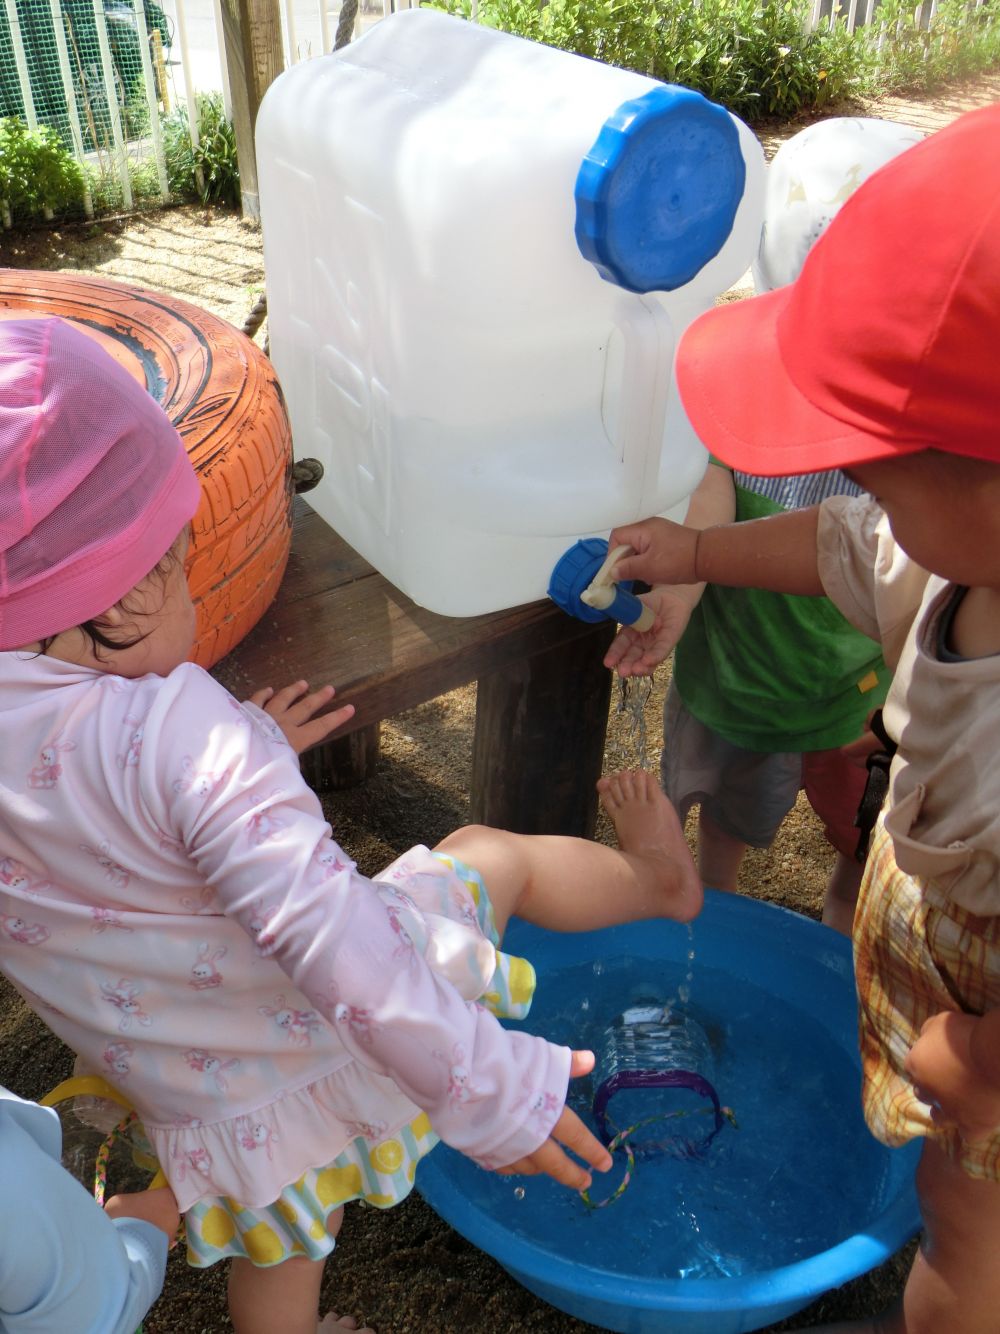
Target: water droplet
[[598, 967], [518, 1192], [684, 994], [585, 1003]]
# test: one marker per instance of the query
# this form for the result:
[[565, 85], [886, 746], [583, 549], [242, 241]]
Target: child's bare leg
[[954, 1284], [573, 884], [284, 1297], [841, 897], [955, 1280], [720, 856]]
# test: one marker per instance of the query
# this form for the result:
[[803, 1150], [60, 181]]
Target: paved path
[[934, 110], [926, 111]]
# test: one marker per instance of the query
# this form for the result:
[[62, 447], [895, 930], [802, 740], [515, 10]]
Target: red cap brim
[[745, 407]]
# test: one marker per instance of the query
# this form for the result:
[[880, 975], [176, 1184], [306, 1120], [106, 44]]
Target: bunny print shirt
[[172, 904]]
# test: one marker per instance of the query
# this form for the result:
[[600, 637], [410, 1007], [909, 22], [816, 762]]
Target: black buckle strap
[[873, 797]]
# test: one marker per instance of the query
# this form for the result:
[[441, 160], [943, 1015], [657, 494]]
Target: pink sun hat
[[95, 482]]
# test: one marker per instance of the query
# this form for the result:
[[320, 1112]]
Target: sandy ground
[[403, 1270]]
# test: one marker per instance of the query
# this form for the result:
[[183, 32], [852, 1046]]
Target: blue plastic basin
[[740, 946]]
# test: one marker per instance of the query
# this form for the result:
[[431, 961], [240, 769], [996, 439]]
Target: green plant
[[106, 191], [755, 58], [759, 58], [38, 174], [917, 53], [214, 160]]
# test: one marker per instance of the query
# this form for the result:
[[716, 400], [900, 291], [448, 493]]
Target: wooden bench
[[542, 699]]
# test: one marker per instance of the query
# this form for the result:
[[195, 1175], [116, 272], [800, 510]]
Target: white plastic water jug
[[479, 253]]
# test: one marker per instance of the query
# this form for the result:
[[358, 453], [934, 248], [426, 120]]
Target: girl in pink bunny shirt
[[292, 1034]]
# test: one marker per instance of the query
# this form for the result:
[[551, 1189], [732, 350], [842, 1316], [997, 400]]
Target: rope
[[256, 318], [684, 1148], [345, 24], [306, 473]]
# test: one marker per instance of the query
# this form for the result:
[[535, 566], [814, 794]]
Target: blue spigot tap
[[581, 584]]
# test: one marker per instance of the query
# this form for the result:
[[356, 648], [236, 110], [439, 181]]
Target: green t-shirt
[[771, 671]]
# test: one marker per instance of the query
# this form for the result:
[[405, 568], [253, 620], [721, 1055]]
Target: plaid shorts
[[916, 954]]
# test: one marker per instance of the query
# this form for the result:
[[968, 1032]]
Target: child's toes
[[609, 790]]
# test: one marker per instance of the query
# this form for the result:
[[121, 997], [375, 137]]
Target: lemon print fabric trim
[[263, 1245], [334, 1185], [387, 1157], [420, 1126], [521, 980], [217, 1228]]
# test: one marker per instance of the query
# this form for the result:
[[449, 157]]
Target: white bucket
[[479, 395]]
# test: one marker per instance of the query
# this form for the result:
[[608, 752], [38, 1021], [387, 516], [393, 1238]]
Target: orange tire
[[221, 393]]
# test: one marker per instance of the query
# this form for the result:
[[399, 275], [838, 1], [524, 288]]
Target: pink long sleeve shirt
[[173, 905]]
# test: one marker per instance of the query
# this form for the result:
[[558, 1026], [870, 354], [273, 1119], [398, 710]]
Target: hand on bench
[[293, 709]]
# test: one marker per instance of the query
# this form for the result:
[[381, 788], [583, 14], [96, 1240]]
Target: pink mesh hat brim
[[95, 482]]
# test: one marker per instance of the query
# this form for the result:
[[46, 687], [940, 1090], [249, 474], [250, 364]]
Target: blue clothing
[[64, 1264]]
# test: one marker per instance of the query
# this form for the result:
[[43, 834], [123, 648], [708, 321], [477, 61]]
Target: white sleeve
[[866, 574], [234, 797]]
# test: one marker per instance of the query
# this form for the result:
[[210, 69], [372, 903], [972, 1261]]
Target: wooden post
[[343, 762], [251, 31], [539, 739]]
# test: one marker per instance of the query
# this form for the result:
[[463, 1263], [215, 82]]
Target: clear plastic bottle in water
[[654, 1072]]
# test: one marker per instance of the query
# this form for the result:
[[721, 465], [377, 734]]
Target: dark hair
[[96, 631]]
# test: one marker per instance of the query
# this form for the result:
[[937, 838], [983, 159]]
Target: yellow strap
[[85, 1086]]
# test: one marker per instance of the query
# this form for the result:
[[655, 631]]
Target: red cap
[[886, 344]]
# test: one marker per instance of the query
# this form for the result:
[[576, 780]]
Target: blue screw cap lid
[[657, 193], [573, 572]]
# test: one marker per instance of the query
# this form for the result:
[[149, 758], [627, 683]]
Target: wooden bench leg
[[539, 740], [343, 762]]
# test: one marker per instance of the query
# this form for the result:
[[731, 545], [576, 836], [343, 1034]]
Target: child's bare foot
[[643, 818], [158, 1207], [648, 827], [331, 1322]]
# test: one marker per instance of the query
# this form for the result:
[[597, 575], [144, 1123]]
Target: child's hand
[[664, 552], [949, 1074], [158, 1206], [293, 708], [638, 653], [868, 743], [549, 1159]]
